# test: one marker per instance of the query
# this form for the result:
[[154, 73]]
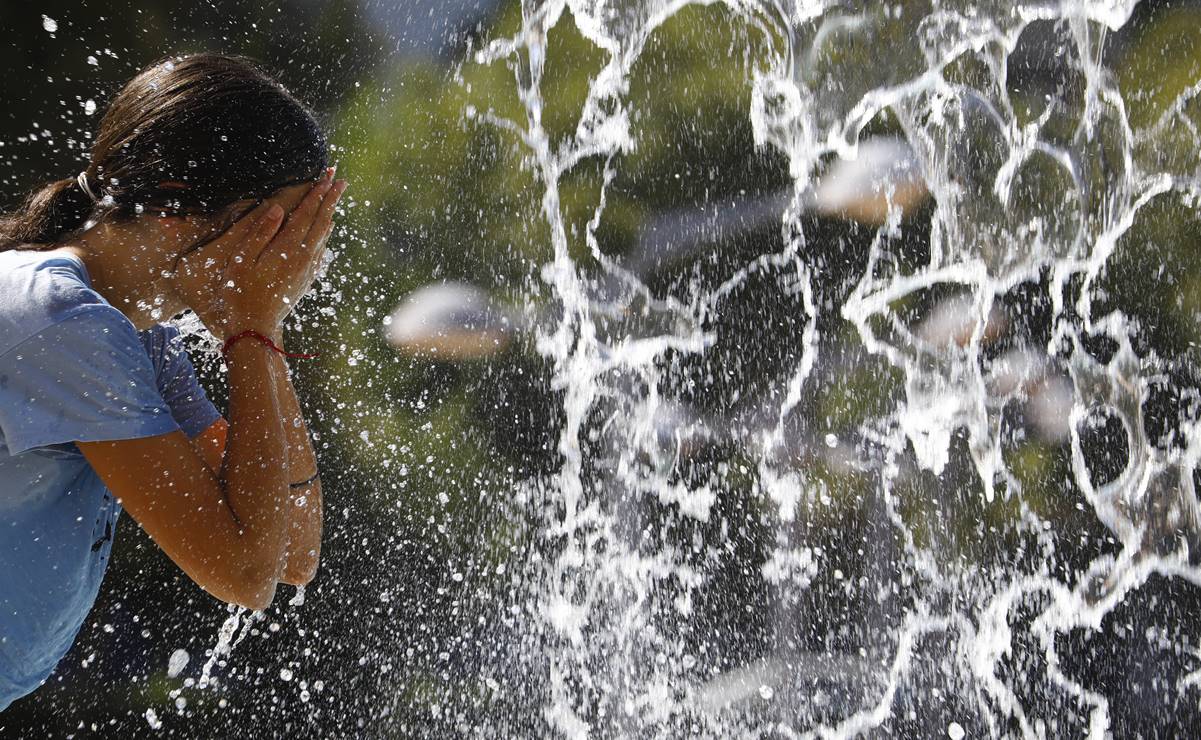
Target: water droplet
[[177, 662]]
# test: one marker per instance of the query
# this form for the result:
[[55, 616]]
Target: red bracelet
[[265, 340]]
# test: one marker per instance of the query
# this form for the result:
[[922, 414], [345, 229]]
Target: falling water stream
[[1029, 190]]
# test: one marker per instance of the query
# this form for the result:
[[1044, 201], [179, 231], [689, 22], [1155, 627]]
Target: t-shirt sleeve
[[176, 380], [85, 379]]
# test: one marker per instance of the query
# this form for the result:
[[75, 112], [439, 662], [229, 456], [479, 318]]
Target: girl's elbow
[[300, 571], [254, 588], [256, 599]]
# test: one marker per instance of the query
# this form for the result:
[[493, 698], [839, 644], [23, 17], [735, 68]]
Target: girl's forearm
[[304, 531], [254, 474]]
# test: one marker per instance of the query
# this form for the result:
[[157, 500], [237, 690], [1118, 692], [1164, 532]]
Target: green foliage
[[1163, 62], [1154, 277]]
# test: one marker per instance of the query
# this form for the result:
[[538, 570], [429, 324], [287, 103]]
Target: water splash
[[228, 637], [1028, 189]]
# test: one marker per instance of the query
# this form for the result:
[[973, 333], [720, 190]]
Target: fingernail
[[273, 212]]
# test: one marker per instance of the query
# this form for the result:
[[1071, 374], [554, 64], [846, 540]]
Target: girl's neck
[[126, 266]]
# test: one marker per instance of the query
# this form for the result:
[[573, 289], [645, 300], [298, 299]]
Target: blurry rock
[[1049, 394], [685, 233], [806, 677], [681, 432], [452, 321], [1050, 407], [1018, 369], [886, 174], [954, 320]]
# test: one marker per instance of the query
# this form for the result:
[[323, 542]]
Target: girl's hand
[[275, 266], [252, 275]]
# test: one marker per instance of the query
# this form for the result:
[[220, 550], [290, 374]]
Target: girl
[[207, 189]]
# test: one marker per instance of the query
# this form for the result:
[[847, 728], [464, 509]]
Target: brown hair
[[188, 134]]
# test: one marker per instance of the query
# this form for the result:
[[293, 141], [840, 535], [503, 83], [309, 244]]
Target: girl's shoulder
[[39, 289]]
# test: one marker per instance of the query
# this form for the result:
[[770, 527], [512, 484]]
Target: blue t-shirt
[[72, 368]]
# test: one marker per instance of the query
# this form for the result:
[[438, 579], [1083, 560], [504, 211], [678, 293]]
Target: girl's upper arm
[[176, 496]]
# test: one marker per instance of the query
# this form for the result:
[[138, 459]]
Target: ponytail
[[47, 215]]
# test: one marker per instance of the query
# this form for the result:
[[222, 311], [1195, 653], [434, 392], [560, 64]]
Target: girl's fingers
[[314, 242], [254, 243], [323, 222], [214, 255], [301, 218], [318, 256], [265, 229], [244, 226], [290, 196]]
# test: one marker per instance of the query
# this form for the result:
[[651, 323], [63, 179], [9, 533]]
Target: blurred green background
[[421, 458]]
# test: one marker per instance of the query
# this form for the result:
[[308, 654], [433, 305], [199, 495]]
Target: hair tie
[[82, 179]]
